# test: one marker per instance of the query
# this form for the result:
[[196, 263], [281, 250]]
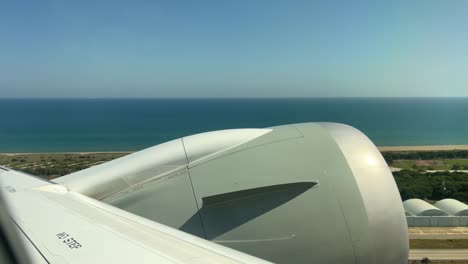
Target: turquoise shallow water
[[47, 125]]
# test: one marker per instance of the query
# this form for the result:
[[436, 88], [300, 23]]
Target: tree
[[425, 260]]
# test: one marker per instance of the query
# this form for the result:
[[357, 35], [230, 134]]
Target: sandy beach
[[424, 148], [381, 148], [67, 153]]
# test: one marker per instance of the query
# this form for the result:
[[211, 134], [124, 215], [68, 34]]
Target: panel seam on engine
[[349, 232], [193, 190]]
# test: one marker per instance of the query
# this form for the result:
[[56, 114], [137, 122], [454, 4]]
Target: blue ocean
[[50, 125]]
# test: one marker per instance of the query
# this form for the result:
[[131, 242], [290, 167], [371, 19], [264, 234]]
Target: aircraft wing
[[60, 226]]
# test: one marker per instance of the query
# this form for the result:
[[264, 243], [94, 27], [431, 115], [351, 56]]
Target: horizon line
[[223, 98]]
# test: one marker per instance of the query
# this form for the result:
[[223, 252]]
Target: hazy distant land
[[424, 148], [447, 165], [52, 165]]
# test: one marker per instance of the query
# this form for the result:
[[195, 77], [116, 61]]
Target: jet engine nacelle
[[302, 193]]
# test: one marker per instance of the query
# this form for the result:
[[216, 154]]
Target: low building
[[444, 213], [452, 207], [418, 207]]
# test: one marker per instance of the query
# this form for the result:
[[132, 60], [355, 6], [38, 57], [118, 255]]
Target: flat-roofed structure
[[452, 207], [418, 207]]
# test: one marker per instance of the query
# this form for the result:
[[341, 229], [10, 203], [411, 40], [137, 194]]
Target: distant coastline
[[68, 152], [424, 148], [381, 148], [409, 165]]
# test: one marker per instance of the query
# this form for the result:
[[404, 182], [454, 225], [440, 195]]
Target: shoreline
[[423, 148], [380, 148], [68, 152]]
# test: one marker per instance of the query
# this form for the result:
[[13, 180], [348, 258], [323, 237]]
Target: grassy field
[[403, 164], [52, 165], [438, 243], [443, 164]]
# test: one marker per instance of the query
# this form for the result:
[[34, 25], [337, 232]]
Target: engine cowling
[[298, 193]]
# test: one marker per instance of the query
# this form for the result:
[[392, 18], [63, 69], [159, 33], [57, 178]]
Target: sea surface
[[50, 125]]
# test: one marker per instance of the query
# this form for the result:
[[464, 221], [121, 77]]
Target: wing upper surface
[[66, 227]]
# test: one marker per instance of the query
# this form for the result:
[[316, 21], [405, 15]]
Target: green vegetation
[[413, 181], [390, 156], [428, 160], [444, 164], [403, 164], [52, 165], [438, 243], [425, 260], [430, 186]]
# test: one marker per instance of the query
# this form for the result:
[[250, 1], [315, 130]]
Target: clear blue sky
[[233, 48]]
